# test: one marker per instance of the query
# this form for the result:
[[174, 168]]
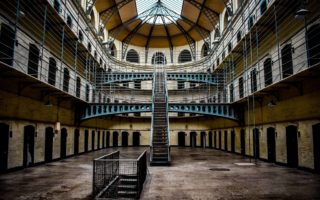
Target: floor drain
[[220, 169]]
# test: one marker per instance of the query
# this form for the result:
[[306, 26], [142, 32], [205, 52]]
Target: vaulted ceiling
[[160, 25]]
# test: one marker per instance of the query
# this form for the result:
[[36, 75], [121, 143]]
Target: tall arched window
[[132, 56], [253, 75], [92, 19], [52, 71], [87, 92], [313, 45], [159, 59], [184, 56], [6, 44], [231, 93], [267, 66], [286, 58], [241, 91], [66, 78], [113, 50], [263, 6], [78, 87], [205, 50], [33, 61], [226, 20], [56, 5]]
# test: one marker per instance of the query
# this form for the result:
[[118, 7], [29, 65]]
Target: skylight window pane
[[149, 6]]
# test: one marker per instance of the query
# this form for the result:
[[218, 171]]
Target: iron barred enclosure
[[114, 177]]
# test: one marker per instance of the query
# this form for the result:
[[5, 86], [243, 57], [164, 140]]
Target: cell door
[[181, 139], [124, 139], [232, 141], [271, 141], [4, 144], [76, 141], [226, 140], [203, 139], [292, 146], [316, 147], [210, 139], [256, 143], [215, 139], [136, 139], [6, 44], [98, 140], [93, 137], [108, 139], [28, 153], [243, 142], [103, 139], [193, 139], [219, 140], [63, 143], [115, 139], [48, 144], [86, 140]]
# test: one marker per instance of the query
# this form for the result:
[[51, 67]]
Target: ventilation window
[[159, 59], [185, 56], [239, 36], [69, 21], [80, 36]]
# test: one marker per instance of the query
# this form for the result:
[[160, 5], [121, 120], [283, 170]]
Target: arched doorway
[[4, 146], [243, 142], [232, 141], [6, 44], [316, 146], [193, 139], [63, 143], [210, 139], [136, 139], [124, 141], [76, 141], [271, 141], [256, 143], [181, 139], [48, 144], [292, 146], [93, 137], [28, 147], [115, 139], [313, 45], [86, 140]]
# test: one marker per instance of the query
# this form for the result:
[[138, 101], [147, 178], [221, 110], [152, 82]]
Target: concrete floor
[[194, 174]]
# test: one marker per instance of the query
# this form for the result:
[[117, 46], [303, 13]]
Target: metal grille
[[118, 178]]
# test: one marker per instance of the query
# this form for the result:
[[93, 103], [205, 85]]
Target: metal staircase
[[160, 138]]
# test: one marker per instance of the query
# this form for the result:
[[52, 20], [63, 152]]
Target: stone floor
[[194, 174]]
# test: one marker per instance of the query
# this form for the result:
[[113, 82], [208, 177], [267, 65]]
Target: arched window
[[78, 87], [132, 56], [263, 6], [251, 21], [226, 20], [56, 5], [159, 59], [80, 36], [253, 76], [69, 21], [231, 92], [52, 71], [184, 56], [286, 58], [205, 50], [267, 66], [89, 47], [239, 36], [66, 78], [313, 45], [6, 44], [113, 50], [33, 61], [92, 19], [241, 92], [87, 92]]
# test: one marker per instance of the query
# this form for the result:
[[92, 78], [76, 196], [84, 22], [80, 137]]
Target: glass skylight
[[159, 12]]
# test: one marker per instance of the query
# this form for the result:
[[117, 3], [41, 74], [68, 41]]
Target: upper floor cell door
[[6, 44]]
